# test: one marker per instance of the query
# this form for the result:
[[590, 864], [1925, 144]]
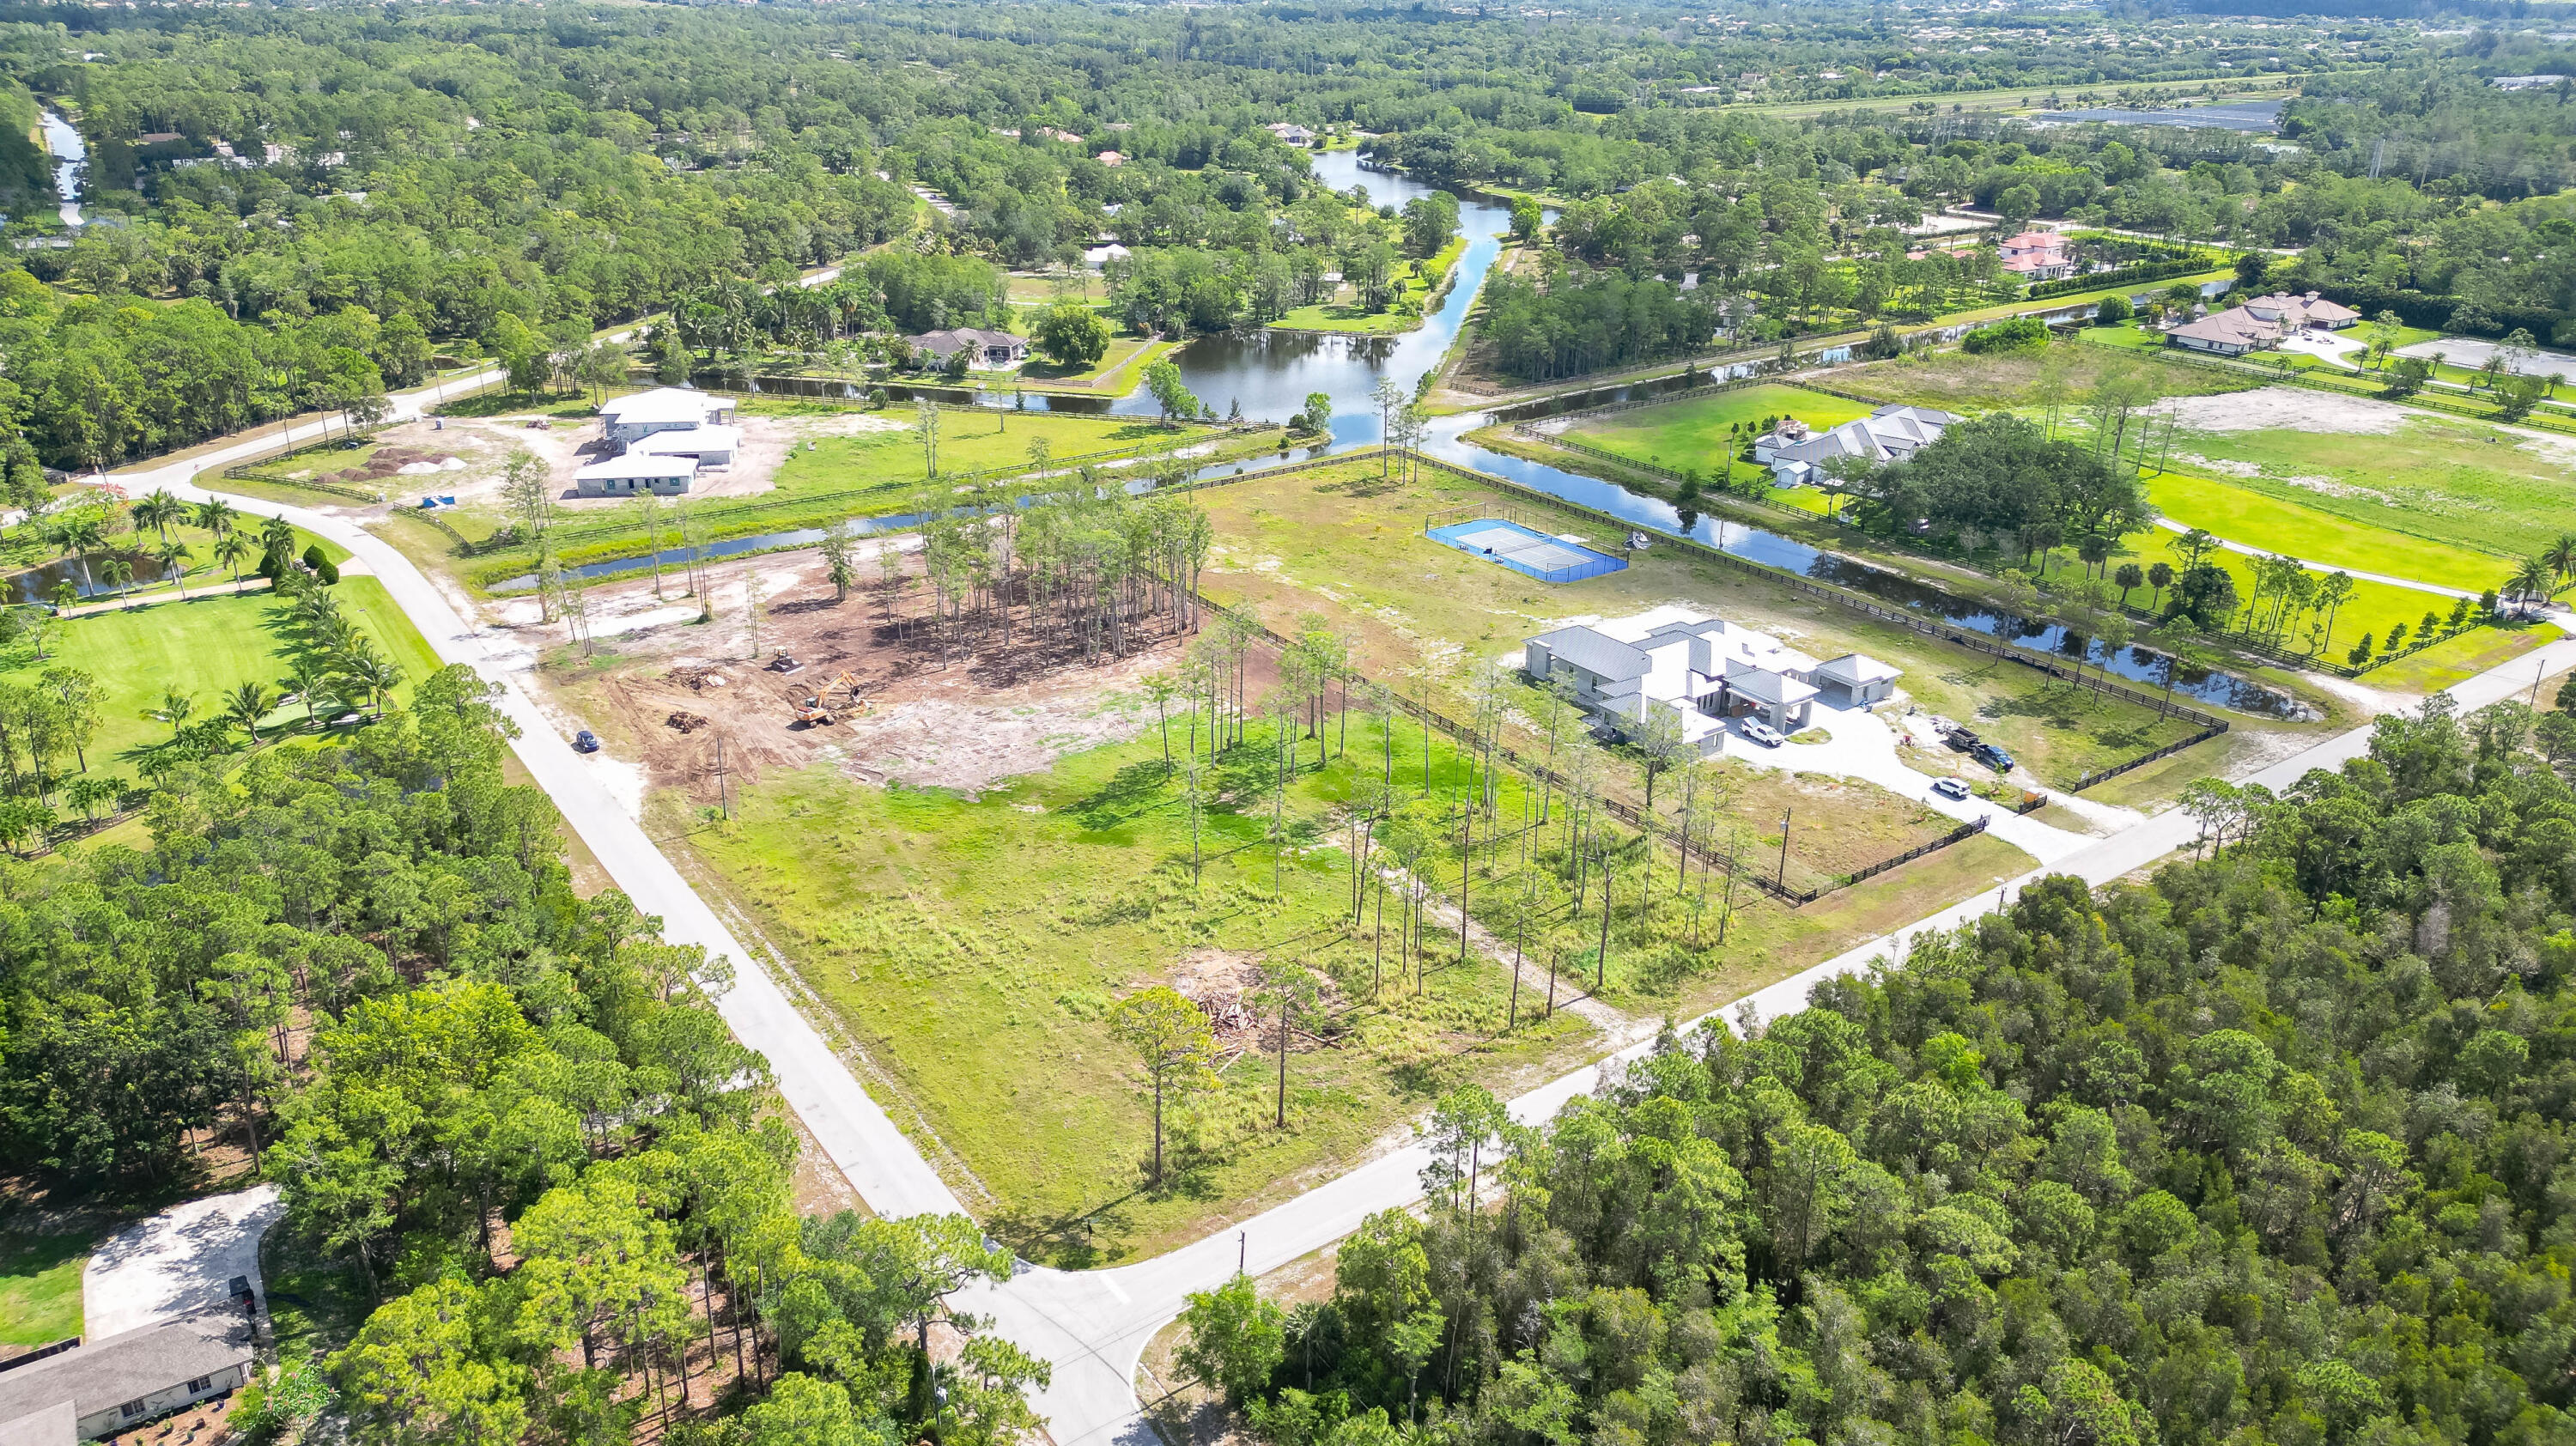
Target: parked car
[[1993, 757], [585, 742], [1950, 788], [1962, 739], [1763, 733]]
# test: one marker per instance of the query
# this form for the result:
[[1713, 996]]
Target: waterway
[[1269, 374], [71, 161]]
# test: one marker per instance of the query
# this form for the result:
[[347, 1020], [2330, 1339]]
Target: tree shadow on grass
[[1133, 791]]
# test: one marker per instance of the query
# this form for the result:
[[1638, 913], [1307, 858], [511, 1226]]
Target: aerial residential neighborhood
[[1256, 724]]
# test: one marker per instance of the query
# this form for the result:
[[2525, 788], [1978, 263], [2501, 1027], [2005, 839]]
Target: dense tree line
[[2275, 1147], [1572, 319]]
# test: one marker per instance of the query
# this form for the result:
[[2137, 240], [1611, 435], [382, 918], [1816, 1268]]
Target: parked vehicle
[[1763, 733], [585, 741], [1950, 788], [1993, 757]]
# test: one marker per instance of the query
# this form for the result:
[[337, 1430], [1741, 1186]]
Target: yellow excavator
[[813, 712]]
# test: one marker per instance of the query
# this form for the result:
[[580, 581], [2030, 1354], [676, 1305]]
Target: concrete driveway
[[177, 1262], [1862, 746]]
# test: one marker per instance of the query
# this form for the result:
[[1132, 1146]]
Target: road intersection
[[1093, 1326]]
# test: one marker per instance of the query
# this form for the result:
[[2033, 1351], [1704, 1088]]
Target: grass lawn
[[2453, 659], [40, 1286], [1358, 320], [203, 646], [514, 404], [2451, 480], [2279, 524], [974, 947], [1047, 290], [1123, 366], [1704, 431], [1341, 542], [1955, 381]]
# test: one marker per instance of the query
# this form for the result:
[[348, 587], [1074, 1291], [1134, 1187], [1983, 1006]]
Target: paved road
[[1092, 1326]]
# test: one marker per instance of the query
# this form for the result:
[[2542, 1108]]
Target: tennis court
[[1526, 550]]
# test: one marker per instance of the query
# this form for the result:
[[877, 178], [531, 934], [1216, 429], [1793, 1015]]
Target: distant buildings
[[1797, 454], [2524, 82], [1703, 669], [2262, 322], [1291, 133], [664, 437]]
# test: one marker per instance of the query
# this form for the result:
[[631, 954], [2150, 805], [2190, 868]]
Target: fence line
[[2143, 759]]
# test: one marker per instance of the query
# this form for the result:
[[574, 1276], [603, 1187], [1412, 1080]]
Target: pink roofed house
[[2037, 256]]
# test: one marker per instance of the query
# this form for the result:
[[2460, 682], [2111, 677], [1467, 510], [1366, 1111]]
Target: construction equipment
[[812, 713], [686, 722], [785, 664], [848, 683]]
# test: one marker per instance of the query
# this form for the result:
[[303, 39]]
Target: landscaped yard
[[1346, 314], [1704, 431], [204, 646], [1122, 366], [1340, 542]]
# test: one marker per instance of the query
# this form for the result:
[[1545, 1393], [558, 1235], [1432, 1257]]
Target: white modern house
[[1704, 669], [663, 438], [1797, 454]]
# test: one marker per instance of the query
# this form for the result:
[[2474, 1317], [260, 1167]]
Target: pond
[[37, 584]]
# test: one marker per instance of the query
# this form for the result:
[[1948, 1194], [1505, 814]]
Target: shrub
[[2020, 333], [2113, 311]]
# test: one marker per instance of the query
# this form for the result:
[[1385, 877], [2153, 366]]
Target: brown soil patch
[[935, 707]]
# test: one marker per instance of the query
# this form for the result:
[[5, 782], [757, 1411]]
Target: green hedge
[[2124, 276]]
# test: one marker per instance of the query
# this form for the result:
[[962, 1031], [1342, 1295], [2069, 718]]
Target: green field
[[2279, 524], [2449, 480], [2373, 608], [40, 1287], [1704, 431], [974, 947], [203, 646], [1955, 381]]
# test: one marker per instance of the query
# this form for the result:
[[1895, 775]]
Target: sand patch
[[2281, 409]]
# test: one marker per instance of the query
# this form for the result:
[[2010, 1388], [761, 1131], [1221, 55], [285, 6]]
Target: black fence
[[2143, 759]]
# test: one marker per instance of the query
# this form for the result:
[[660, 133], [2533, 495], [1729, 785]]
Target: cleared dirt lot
[[932, 710]]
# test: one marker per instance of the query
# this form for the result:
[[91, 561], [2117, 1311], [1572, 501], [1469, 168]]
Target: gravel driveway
[[177, 1262]]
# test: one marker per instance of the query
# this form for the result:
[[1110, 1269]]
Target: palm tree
[[217, 516], [311, 680], [2561, 555], [174, 558], [231, 548], [176, 709], [78, 536], [277, 539], [247, 703], [116, 572], [372, 670], [2532, 580], [158, 511]]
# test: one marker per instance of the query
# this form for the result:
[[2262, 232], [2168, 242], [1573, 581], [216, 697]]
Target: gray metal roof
[[108, 1372], [1595, 652]]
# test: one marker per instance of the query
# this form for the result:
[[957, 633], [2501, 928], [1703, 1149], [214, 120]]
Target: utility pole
[[1782, 879]]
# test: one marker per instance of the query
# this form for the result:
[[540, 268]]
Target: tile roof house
[[991, 348], [663, 437], [1291, 133], [1703, 669], [2037, 256], [119, 1381], [2261, 322], [1797, 454]]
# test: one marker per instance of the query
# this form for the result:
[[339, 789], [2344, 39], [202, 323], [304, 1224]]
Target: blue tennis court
[[1524, 550]]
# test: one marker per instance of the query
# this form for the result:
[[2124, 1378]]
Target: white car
[[1950, 788], [1763, 733]]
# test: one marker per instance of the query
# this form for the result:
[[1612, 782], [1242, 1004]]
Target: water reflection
[[37, 584]]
